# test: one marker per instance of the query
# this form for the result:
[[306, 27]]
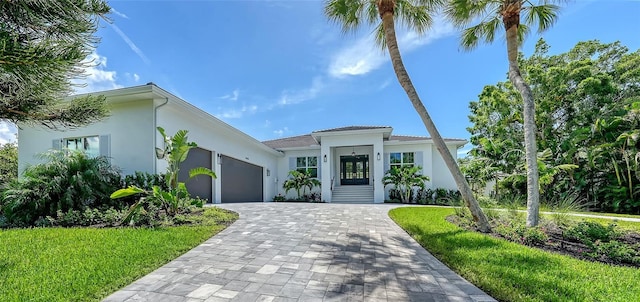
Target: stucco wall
[[444, 179], [284, 166], [214, 135], [130, 131]]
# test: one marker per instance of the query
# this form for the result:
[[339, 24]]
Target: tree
[[493, 14], [43, 45], [8, 163], [404, 179], [587, 104], [300, 180], [415, 14]]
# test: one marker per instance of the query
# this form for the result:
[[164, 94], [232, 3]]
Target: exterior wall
[[284, 166], [214, 135], [444, 178], [129, 130]]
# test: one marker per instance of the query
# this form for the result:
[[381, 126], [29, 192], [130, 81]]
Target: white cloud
[[237, 113], [136, 77], [117, 13], [298, 96], [281, 132], [364, 55], [384, 84], [267, 123], [132, 45], [8, 132], [97, 77], [232, 97]]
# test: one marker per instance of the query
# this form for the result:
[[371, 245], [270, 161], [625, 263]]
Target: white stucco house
[[349, 161]]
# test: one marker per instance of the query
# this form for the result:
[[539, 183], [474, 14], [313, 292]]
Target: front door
[[354, 170]]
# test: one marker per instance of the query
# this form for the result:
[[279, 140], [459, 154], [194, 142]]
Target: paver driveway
[[305, 252]]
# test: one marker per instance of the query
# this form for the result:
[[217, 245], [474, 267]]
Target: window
[[398, 160], [308, 163], [89, 144]]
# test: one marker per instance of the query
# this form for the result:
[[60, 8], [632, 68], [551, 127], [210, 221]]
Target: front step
[[352, 194]]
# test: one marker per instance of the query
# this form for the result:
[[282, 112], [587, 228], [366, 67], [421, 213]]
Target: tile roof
[[292, 142], [350, 128]]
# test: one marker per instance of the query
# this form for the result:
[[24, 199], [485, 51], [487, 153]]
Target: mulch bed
[[559, 244]]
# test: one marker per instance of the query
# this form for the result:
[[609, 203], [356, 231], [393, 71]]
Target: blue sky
[[279, 68]]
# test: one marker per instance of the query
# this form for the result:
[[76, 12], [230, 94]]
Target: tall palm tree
[[492, 14], [415, 14]]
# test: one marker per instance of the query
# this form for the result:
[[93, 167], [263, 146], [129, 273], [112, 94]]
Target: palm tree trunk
[[511, 19], [386, 9]]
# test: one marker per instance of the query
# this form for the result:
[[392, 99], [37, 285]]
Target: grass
[[85, 264], [512, 272]]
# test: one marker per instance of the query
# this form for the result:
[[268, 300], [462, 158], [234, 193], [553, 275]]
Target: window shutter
[[105, 145], [292, 163], [56, 144], [417, 159], [386, 162]]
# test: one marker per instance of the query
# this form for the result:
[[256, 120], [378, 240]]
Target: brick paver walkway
[[305, 252]]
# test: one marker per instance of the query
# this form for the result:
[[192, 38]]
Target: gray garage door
[[240, 181], [200, 185]]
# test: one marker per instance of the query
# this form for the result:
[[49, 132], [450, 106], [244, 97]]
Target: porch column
[[327, 167], [378, 171]]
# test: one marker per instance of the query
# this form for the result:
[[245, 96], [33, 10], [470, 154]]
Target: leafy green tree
[[506, 14], [42, 46], [8, 163], [405, 179], [586, 118], [300, 180], [416, 15]]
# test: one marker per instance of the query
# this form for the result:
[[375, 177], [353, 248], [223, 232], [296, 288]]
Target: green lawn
[[85, 264], [512, 272]]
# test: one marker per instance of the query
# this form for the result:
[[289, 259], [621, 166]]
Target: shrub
[[617, 251], [589, 232], [279, 197], [68, 181]]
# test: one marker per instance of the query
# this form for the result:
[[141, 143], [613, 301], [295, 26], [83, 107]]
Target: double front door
[[354, 170]]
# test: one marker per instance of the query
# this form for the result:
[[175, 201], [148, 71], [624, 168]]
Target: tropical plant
[[300, 180], [586, 115], [405, 179], [506, 14], [68, 181], [8, 163], [416, 15], [176, 198], [44, 45]]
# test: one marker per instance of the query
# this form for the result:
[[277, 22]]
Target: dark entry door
[[354, 170]]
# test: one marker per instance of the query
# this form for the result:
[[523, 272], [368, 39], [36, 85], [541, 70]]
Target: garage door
[[200, 185], [240, 181]]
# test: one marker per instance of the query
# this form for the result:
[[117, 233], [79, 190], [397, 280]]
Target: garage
[[240, 181], [201, 185]]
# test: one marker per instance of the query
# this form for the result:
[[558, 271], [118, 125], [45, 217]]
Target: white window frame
[[306, 165], [85, 144], [403, 160]]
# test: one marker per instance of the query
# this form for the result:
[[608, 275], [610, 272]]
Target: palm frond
[[544, 16], [346, 13], [481, 32]]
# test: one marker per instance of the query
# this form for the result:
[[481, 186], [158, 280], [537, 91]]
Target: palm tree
[[405, 179], [492, 14], [415, 14], [300, 180]]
